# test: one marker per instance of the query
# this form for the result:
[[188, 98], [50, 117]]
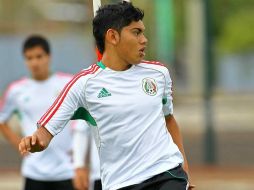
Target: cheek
[[126, 52], [29, 66], [32, 63], [43, 62], [128, 47]]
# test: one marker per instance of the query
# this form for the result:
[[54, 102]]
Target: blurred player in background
[[84, 148], [31, 97], [85, 156], [128, 103]]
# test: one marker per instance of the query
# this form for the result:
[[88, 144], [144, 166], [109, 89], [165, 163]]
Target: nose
[[144, 40], [34, 62]]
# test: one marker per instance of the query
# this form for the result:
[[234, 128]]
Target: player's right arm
[[10, 135], [62, 110], [80, 153], [7, 108]]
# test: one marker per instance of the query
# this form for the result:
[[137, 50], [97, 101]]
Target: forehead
[[34, 50], [136, 24]]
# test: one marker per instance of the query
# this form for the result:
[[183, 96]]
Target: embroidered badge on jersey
[[149, 86]]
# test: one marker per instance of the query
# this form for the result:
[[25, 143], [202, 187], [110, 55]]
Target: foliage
[[233, 25]]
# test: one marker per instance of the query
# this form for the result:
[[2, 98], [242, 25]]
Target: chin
[[137, 61]]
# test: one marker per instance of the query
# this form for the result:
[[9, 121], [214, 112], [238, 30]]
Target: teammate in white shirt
[[31, 97], [128, 103], [84, 145]]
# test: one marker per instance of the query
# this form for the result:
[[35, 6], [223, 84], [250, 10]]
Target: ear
[[112, 37]]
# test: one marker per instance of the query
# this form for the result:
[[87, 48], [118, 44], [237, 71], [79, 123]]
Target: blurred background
[[208, 46]]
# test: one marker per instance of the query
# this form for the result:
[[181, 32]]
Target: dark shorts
[[31, 184], [174, 179], [97, 185]]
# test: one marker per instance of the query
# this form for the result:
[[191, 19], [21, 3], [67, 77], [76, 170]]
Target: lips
[[142, 52]]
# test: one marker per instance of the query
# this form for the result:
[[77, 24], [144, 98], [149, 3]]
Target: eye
[[28, 58], [137, 32], [39, 56]]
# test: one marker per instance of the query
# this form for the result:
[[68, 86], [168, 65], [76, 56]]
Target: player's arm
[[171, 123], [80, 152], [10, 135], [174, 131], [7, 108], [55, 119], [35, 143]]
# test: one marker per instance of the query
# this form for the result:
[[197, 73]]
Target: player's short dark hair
[[34, 41], [115, 16]]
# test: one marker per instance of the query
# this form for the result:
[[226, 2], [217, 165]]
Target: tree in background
[[233, 25]]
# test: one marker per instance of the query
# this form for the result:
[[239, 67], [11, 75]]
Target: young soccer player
[[30, 97], [128, 103]]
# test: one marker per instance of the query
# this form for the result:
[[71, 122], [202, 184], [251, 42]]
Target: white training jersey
[[31, 98], [126, 110]]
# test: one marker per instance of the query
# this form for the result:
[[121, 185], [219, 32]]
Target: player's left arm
[[171, 123], [175, 133]]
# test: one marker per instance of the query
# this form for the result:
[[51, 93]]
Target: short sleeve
[[64, 107], [7, 105], [167, 99]]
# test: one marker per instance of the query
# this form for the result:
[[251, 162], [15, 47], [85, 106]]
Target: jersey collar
[[101, 65]]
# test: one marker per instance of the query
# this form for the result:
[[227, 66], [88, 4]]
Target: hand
[[191, 186], [81, 181], [186, 169], [35, 143]]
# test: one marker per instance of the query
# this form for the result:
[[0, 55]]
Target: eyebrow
[[139, 29]]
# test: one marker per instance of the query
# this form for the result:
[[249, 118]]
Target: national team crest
[[149, 86]]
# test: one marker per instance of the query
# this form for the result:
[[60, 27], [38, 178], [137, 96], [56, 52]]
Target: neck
[[41, 77], [114, 62]]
